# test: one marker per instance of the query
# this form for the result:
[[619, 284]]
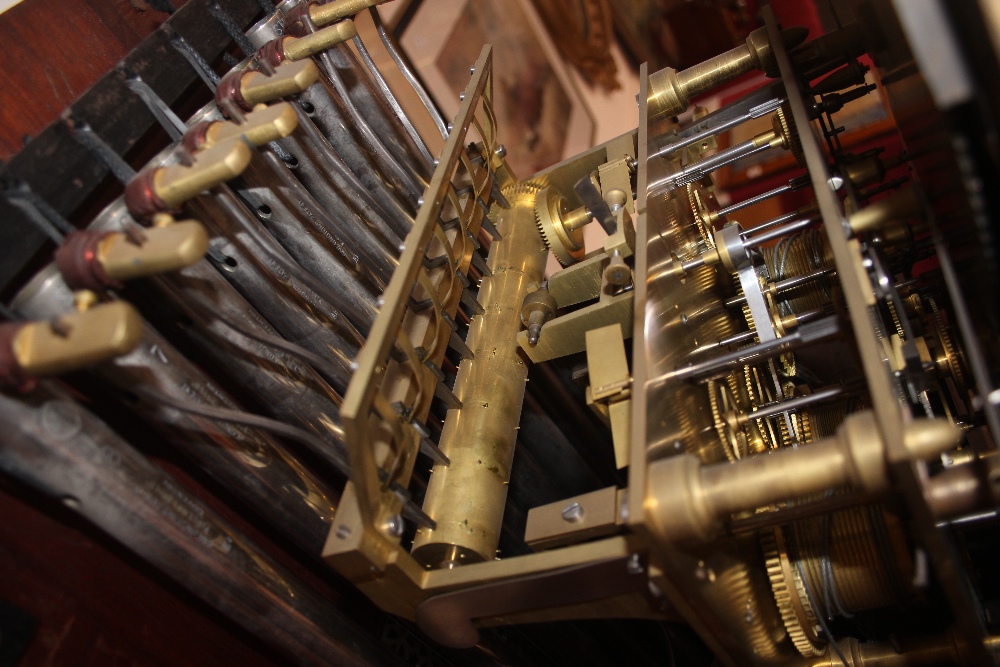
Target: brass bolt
[[537, 308]]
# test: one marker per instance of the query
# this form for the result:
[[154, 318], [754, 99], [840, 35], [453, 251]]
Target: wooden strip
[[62, 172]]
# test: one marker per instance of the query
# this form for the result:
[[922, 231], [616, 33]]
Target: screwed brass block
[[466, 498]]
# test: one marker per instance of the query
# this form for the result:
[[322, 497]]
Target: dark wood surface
[[55, 51], [52, 163]]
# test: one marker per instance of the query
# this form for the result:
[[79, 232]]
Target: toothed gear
[[947, 346], [759, 394], [897, 324], [702, 206], [527, 188], [567, 245], [722, 400], [789, 138], [797, 614], [802, 423]]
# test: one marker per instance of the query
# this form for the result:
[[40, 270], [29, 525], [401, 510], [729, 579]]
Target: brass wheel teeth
[[802, 423], [756, 391], [721, 428], [895, 320], [697, 204], [549, 224], [527, 188], [783, 598], [748, 316], [794, 143], [947, 345]]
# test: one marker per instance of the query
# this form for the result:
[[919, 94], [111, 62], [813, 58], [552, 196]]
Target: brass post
[[670, 91], [922, 652], [686, 500], [466, 497]]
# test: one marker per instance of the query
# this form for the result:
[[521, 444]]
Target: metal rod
[[756, 112], [808, 333], [786, 285], [402, 178], [408, 74], [778, 232], [793, 184], [800, 318], [348, 296], [790, 404], [696, 170], [390, 99], [343, 165]]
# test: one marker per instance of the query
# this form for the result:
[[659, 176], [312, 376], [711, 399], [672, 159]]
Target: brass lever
[[163, 189], [70, 342], [260, 126], [248, 88], [99, 260], [286, 48]]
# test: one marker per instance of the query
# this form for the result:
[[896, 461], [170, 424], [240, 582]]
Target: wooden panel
[[55, 51], [53, 164], [98, 605]]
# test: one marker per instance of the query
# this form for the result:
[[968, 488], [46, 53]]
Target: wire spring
[[38, 211], [168, 120], [86, 137], [195, 59], [819, 617], [232, 29], [832, 599]]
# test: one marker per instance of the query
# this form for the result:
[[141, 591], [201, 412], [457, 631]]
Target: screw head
[[394, 526], [572, 513]]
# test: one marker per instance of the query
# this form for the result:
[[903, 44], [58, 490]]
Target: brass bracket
[[617, 175], [582, 281], [595, 514], [610, 390]]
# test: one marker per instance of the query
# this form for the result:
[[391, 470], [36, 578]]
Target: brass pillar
[[466, 497], [670, 91]]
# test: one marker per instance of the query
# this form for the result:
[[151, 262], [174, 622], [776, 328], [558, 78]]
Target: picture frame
[[541, 116]]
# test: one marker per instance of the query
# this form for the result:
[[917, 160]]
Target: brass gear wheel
[[526, 188], [759, 394], [703, 206], [947, 346], [566, 244], [789, 139], [722, 401], [797, 613]]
